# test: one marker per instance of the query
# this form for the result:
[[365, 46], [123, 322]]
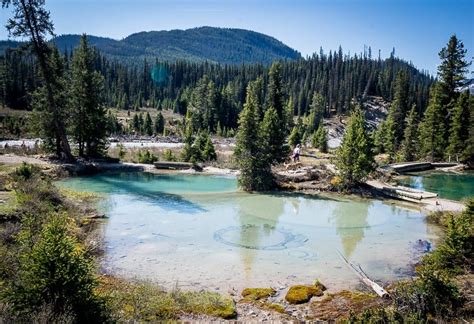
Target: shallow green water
[[200, 232], [447, 185]]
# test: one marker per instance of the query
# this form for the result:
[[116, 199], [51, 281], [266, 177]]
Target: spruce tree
[[354, 157], [452, 70], [469, 150], [432, 128], [295, 136], [398, 109], [317, 109], [459, 128], [409, 148], [148, 125], [44, 121], [209, 152], [250, 152], [32, 21], [275, 126], [159, 123], [88, 120], [320, 139], [379, 138]]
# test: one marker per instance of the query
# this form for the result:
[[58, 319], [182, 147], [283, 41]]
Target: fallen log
[[364, 278]]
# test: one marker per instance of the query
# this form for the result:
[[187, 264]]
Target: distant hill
[[218, 45]]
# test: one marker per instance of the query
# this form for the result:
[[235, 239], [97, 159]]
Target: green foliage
[[295, 136], [274, 125], [88, 116], [199, 149], [320, 139], [317, 111], [455, 254], [459, 127], [146, 157], [122, 151], [169, 156], [159, 123], [250, 152], [25, 171], [145, 302], [409, 148], [148, 125], [354, 156], [432, 128]]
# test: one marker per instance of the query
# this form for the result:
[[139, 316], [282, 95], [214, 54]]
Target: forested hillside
[[333, 81], [217, 45]]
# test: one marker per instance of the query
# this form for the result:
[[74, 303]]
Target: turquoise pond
[[201, 232], [455, 186]]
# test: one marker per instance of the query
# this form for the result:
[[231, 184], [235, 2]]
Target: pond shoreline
[[246, 310]]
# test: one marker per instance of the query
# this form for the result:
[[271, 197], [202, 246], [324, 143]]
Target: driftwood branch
[[364, 278]]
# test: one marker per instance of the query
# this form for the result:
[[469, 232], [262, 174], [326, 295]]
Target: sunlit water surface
[[455, 186], [201, 232]]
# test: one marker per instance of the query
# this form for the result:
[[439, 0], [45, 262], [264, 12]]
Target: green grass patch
[[144, 301]]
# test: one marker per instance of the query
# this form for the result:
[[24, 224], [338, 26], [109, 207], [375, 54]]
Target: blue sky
[[416, 28]]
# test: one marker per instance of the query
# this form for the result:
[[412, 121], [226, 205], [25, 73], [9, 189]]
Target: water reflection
[[351, 221]]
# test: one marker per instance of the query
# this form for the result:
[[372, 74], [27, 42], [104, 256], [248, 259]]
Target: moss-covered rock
[[319, 284], [257, 293], [277, 308], [300, 294]]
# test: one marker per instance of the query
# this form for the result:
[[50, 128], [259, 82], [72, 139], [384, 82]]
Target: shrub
[[56, 271], [146, 157], [169, 156]]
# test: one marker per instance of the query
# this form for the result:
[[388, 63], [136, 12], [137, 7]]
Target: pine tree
[[451, 74], [317, 109], [459, 128], [379, 137], [31, 20], [398, 110], [295, 136], [469, 150], [432, 128], [209, 153], [275, 126], [44, 121], [452, 69], [254, 161], [354, 156], [148, 125], [88, 122], [136, 123], [159, 123], [320, 139], [410, 136]]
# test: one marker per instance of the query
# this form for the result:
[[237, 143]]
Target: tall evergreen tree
[[253, 159], [452, 70], [88, 120], [398, 109], [32, 21], [410, 136], [459, 128], [354, 157], [44, 119], [159, 123], [317, 109], [148, 125], [320, 139], [432, 127], [275, 125]]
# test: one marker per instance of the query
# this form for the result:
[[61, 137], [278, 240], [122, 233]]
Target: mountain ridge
[[200, 44]]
